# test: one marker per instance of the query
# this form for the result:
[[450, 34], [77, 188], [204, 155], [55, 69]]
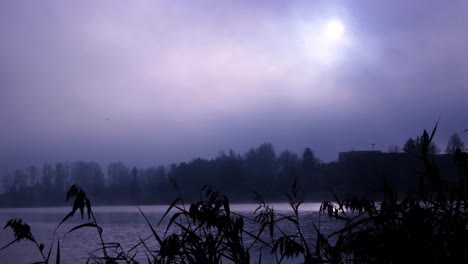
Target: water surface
[[122, 224]]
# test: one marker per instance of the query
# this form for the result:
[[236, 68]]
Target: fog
[[153, 83]]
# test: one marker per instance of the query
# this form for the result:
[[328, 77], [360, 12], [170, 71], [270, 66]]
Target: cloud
[[161, 76]]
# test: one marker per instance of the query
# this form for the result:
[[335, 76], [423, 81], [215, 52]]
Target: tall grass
[[429, 226], [426, 226]]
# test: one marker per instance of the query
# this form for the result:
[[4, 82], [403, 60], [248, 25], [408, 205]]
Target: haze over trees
[[259, 169]]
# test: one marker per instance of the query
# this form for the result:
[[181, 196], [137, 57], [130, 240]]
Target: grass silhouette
[[429, 225]]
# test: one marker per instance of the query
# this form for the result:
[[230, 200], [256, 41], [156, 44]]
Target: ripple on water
[[123, 224]]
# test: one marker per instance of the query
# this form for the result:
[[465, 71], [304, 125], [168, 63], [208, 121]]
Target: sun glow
[[334, 30], [323, 40]]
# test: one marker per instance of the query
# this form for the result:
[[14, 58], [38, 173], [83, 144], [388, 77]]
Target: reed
[[426, 226]]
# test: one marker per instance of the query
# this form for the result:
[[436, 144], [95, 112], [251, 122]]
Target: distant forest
[[260, 169]]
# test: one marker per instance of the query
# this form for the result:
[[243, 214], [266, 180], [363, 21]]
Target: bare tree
[[394, 149], [454, 143]]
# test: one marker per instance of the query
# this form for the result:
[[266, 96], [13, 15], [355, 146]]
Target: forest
[[259, 170], [426, 225]]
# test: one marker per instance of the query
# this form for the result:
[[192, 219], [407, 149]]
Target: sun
[[325, 40], [334, 29]]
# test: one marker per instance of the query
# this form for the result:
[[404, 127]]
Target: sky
[[156, 82]]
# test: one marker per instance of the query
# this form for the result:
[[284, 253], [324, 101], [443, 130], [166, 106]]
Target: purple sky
[[155, 82]]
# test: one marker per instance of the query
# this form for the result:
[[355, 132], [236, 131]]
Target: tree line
[[120, 183], [260, 169]]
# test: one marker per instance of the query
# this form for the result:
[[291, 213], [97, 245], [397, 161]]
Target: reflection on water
[[122, 224]]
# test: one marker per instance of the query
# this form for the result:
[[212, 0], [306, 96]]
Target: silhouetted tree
[[454, 143], [230, 169], [134, 183], [288, 167], [410, 146], [33, 177], [134, 175], [309, 161], [310, 164], [119, 174], [149, 180], [393, 149], [161, 173], [60, 176], [414, 146], [260, 165], [7, 182], [87, 174], [47, 177], [20, 180]]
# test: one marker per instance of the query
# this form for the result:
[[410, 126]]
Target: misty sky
[[155, 82]]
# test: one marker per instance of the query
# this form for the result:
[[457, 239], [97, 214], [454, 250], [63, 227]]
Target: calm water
[[123, 224]]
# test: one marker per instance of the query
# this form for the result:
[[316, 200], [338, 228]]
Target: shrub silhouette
[[427, 226]]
